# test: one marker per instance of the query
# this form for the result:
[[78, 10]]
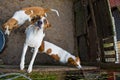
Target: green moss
[[56, 76], [35, 76], [20, 78], [42, 76], [3, 78]]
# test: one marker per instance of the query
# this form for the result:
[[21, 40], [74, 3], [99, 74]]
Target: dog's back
[[21, 17], [56, 52], [60, 54]]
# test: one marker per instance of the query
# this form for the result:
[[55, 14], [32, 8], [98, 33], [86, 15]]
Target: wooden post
[[96, 42]]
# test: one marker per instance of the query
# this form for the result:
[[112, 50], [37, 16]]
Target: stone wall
[[61, 33]]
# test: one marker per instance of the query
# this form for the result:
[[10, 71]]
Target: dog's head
[[39, 21], [10, 25], [75, 62]]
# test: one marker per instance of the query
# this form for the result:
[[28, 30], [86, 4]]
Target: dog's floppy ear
[[47, 24], [33, 20], [15, 25], [70, 60], [77, 58]]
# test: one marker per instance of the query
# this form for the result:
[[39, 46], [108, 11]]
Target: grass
[[34, 76], [61, 76], [43, 76]]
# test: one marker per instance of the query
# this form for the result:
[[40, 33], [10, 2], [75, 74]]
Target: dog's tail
[[54, 10]]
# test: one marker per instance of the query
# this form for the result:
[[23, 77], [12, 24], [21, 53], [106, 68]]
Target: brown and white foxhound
[[59, 54], [34, 38], [23, 15]]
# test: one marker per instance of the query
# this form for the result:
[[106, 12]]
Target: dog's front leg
[[32, 61], [23, 56]]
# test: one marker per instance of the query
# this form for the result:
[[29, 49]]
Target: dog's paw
[[29, 69], [22, 66]]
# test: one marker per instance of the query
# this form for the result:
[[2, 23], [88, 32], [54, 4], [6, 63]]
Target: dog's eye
[[45, 21]]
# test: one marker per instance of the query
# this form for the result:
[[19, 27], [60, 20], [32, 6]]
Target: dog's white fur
[[63, 55], [34, 37], [20, 16]]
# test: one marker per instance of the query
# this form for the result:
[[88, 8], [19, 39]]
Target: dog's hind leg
[[22, 63], [32, 61]]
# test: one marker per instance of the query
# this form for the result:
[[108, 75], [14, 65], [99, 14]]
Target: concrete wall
[[61, 33]]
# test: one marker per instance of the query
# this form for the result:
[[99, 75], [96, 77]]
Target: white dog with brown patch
[[59, 54], [34, 38], [23, 15]]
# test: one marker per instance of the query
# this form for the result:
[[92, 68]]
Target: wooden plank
[[103, 19], [80, 18], [42, 68], [93, 38], [108, 40], [109, 48], [109, 52], [80, 29], [103, 23], [110, 66], [83, 48], [110, 60], [110, 56], [106, 45]]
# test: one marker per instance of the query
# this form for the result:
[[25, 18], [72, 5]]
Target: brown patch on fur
[[33, 11], [49, 51], [41, 48], [47, 24], [77, 59], [47, 10], [72, 61], [55, 56], [11, 23], [37, 11]]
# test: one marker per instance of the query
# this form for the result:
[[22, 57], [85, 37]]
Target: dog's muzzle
[[39, 23], [79, 66], [7, 32]]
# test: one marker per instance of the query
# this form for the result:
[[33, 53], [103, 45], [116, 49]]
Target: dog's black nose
[[39, 23]]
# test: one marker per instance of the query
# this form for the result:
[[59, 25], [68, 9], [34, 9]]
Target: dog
[[34, 37], [59, 54], [23, 15]]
